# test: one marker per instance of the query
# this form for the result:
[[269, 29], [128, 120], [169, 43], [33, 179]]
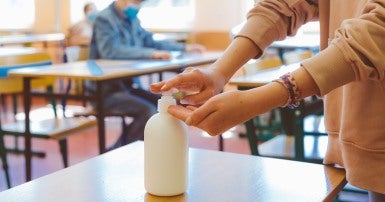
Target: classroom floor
[[83, 145]]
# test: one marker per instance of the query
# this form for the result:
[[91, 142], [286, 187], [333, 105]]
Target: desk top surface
[[263, 77], [213, 176], [7, 51], [28, 38], [311, 41], [107, 69]]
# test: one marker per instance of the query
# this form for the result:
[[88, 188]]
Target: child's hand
[[218, 114], [163, 55], [199, 84]]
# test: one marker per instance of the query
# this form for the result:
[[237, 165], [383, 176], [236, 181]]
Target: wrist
[[219, 79], [293, 93], [267, 97]]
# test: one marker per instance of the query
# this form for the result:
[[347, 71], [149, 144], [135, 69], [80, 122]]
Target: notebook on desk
[[94, 68]]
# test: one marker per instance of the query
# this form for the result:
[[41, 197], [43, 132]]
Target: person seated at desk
[[80, 33], [117, 34]]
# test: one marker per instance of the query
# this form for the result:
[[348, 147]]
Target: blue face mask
[[91, 16], [131, 11]]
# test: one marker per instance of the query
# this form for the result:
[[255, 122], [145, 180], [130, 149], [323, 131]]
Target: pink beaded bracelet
[[287, 80]]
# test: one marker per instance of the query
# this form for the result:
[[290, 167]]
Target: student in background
[[117, 34], [349, 73], [80, 33]]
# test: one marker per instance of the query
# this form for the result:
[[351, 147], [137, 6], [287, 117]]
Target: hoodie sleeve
[[272, 20], [355, 54]]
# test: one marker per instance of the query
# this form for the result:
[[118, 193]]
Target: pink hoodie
[[349, 72]]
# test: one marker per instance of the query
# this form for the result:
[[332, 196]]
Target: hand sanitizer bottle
[[165, 151]]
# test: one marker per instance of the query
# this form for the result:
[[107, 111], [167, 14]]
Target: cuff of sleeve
[[329, 69], [147, 54], [262, 33]]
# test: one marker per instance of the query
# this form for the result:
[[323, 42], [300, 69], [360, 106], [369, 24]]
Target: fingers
[[195, 48], [197, 98], [192, 82], [192, 108], [202, 118], [181, 82], [189, 69], [198, 115], [178, 82], [187, 114], [161, 55], [180, 112], [156, 87]]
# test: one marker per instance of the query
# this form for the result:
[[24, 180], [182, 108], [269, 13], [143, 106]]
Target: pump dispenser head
[[166, 100]]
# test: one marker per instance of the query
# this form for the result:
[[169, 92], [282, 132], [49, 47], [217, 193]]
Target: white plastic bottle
[[165, 152]]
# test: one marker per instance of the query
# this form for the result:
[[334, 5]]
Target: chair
[[72, 54], [17, 58], [304, 138], [12, 86], [54, 129], [80, 53], [76, 53]]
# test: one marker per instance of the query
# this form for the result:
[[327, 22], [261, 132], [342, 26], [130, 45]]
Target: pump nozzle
[[169, 92], [166, 100]]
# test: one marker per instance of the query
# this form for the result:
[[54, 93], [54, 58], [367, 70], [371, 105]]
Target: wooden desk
[[213, 176], [261, 78], [100, 71], [31, 38]]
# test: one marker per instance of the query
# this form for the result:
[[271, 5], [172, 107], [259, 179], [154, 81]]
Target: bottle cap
[[166, 100]]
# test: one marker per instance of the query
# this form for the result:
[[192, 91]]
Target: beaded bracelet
[[287, 80]]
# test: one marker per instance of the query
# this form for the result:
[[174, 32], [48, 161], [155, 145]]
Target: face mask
[[131, 11], [91, 16]]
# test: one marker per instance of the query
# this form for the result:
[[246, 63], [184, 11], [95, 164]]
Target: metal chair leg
[[3, 156]]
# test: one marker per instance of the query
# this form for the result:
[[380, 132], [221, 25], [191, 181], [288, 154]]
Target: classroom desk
[[100, 71], [118, 175], [31, 38], [11, 52], [261, 78], [5, 51], [303, 41]]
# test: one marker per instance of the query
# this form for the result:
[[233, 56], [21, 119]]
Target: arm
[[213, 115], [209, 82], [257, 34], [79, 34], [269, 21], [355, 54]]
